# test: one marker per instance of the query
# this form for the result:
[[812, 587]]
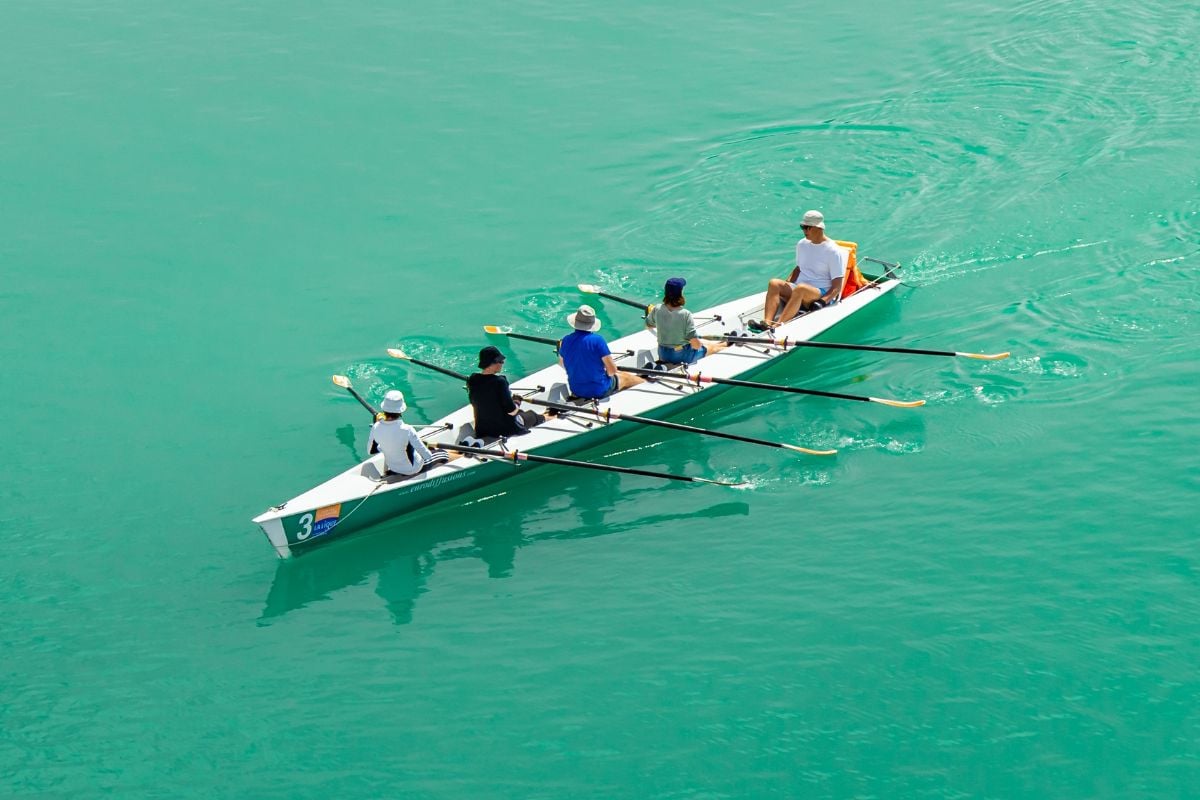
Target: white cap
[[813, 219], [393, 402]]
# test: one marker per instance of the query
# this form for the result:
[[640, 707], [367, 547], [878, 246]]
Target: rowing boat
[[363, 495]]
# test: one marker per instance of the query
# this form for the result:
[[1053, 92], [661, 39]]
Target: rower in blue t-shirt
[[591, 371]]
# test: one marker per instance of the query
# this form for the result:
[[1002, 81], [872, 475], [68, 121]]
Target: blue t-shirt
[[583, 355]]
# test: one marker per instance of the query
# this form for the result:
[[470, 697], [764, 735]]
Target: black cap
[[490, 355]]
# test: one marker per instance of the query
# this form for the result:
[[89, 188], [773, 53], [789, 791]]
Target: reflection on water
[[404, 553]]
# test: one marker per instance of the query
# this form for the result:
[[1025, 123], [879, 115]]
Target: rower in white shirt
[[403, 451]]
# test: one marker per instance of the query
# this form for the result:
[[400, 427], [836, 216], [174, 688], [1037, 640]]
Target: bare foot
[[715, 347]]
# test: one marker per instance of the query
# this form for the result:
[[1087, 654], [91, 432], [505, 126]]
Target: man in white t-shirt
[[817, 279]]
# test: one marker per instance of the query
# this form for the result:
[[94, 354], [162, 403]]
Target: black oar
[[699, 379], [653, 373], [785, 343], [517, 455], [608, 416], [588, 288], [344, 382], [506, 331], [396, 352]]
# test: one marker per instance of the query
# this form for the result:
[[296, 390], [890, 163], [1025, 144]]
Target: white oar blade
[[497, 329], [396, 352], [342, 381], [985, 356], [897, 403], [588, 288], [809, 451]]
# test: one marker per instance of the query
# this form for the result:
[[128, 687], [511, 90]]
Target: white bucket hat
[[813, 219], [584, 319], [393, 402]]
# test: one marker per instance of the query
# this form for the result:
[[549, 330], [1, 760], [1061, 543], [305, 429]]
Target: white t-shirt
[[403, 451], [820, 264]]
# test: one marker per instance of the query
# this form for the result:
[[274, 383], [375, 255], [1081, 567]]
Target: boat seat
[[645, 359]]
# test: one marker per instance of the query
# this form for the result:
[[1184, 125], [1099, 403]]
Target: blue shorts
[[684, 355]]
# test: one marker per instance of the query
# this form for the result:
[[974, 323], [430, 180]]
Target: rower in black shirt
[[496, 412]]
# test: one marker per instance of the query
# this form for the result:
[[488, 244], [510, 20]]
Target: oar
[[396, 352], [502, 330], [608, 416], [344, 382], [785, 343], [588, 288], [516, 455], [699, 379]]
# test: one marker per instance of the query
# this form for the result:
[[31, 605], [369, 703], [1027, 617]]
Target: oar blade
[[985, 356], [897, 403], [497, 329], [342, 381], [396, 352], [808, 450], [588, 288], [734, 484]]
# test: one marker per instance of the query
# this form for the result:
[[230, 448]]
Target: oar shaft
[[359, 398], [645, 308], [699, 379], [528, 338], [436, 368], [516, 455], [835, 346], [658, 423]]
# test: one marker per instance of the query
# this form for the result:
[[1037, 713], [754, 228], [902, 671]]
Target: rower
[[496, 410], [678, 342], [591, 372], [816, 280], [403, 451]]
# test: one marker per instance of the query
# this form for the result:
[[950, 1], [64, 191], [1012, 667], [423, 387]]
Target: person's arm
[[650, 317], [835, 291], [610, 366], [419, 448], [508, 404], [795, 274], [372, 445]]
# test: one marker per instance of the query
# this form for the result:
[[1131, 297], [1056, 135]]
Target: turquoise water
[[210, 210]]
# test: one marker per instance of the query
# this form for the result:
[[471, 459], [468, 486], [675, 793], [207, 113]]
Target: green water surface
[[209, 208]]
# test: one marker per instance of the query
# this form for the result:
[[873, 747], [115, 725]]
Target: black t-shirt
[[492, 400]]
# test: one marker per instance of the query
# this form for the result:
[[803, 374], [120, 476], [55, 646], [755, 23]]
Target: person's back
[[591, 371], [403, 451], [675, 328], [583, 355], [492, 402]]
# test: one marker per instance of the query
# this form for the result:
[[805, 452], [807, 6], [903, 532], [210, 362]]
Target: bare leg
[[626, 380], [777, 289], [802, 294], [715, 347]]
